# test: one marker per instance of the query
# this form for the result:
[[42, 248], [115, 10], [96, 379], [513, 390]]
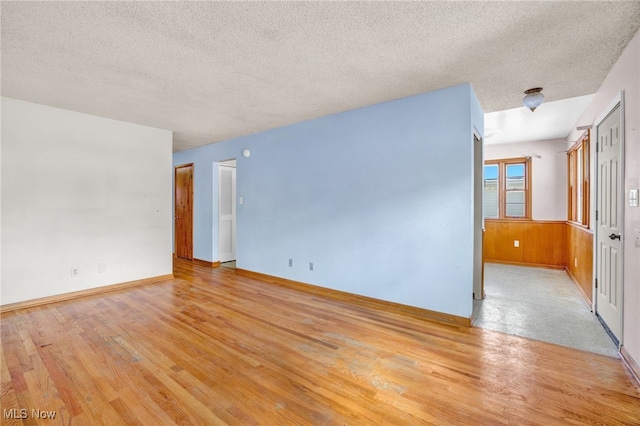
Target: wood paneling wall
[[580, 251], [555, 244], [541, 243]]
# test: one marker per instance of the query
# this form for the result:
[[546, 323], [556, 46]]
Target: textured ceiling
[[210, 71]]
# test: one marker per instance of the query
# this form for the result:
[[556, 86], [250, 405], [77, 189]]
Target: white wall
[[625, 76], [548, 174], [77, 191]]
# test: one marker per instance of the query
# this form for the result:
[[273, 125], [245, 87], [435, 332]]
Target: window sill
[[579, 226], [508, 219]]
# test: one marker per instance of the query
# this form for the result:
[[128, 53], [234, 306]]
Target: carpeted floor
[[541, 304]]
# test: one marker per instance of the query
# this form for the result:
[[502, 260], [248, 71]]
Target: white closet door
[[609, 222], [227, 213]]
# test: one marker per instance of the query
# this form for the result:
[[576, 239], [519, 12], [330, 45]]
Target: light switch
[[240, 200], [516, 243], [633, 198]]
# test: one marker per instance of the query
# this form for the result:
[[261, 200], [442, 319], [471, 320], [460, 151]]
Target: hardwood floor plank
[[129, 416], [215, 347], [47, 397], [8, 397]]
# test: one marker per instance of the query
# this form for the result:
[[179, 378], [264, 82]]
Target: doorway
[[183, 219], [227, 213], [558, 243], [609, 219]]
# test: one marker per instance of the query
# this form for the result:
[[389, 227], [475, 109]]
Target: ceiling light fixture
[[533, 98]]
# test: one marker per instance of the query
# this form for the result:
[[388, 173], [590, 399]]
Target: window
[[507, 189], [579, 186], [491, 209]]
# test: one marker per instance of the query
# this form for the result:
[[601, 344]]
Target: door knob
[[614, 236]]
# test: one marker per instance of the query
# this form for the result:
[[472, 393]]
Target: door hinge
[[596, 214], [596, 283]]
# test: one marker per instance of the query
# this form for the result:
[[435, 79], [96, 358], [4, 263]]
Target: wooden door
[[184, 211], [609, 222]]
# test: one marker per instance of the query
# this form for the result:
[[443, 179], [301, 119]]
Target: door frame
[[175, 189], [478, 175], [617, 100]]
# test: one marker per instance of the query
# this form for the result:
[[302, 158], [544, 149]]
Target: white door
[[227, 213], [609, 222]]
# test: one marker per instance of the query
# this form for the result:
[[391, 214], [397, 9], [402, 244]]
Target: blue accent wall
[[380, 199]]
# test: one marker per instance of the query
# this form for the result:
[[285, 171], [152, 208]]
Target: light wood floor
[[213, 347]]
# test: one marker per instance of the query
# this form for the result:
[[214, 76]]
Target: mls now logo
[[23, 413]]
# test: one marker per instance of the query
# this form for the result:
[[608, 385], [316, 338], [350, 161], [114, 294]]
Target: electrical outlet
[[290, 263], [75, 271], [311, 266], [516, 243]]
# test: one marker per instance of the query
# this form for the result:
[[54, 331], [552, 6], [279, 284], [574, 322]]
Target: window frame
[[502, 190], [583, 161]]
